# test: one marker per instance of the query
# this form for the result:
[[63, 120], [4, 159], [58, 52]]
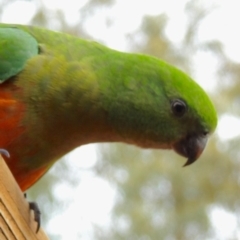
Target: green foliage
[[160, 200]]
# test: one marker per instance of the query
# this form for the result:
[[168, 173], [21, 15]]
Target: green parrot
[[59, 92]]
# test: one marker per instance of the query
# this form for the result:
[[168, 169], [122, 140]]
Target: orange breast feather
[[11, 128], [11, 114]]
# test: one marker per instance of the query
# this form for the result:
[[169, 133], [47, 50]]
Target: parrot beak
[[191, 147]]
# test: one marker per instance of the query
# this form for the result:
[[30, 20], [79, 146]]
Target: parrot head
[[191, 144], [161, 108], [195, 114]]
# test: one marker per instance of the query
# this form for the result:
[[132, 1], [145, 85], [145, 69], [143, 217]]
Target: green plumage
[[76, 91], [16, 48]]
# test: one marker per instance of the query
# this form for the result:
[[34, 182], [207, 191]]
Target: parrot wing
[[16, 47]]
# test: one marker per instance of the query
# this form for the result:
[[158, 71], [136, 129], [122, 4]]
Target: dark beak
[[191, 147]]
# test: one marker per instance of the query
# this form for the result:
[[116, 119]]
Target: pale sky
[[126, 16]]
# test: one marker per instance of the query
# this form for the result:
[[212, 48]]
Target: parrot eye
[[205, 133], [178, 108]]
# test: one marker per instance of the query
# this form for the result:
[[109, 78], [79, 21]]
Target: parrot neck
[[72, 116]]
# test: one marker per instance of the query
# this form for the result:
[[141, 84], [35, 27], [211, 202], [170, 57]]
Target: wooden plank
[[16, 219], [2, 236]]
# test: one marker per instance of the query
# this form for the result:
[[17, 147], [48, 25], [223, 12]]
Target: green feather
[[16, 48], [90, 93]]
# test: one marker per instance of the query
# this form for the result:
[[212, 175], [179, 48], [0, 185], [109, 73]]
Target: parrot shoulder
[[16, 47]]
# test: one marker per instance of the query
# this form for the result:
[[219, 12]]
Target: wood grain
[[16, 219]]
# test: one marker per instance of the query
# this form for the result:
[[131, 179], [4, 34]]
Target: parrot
[[59, 92]]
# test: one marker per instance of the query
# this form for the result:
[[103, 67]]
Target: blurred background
[[115, 191]]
